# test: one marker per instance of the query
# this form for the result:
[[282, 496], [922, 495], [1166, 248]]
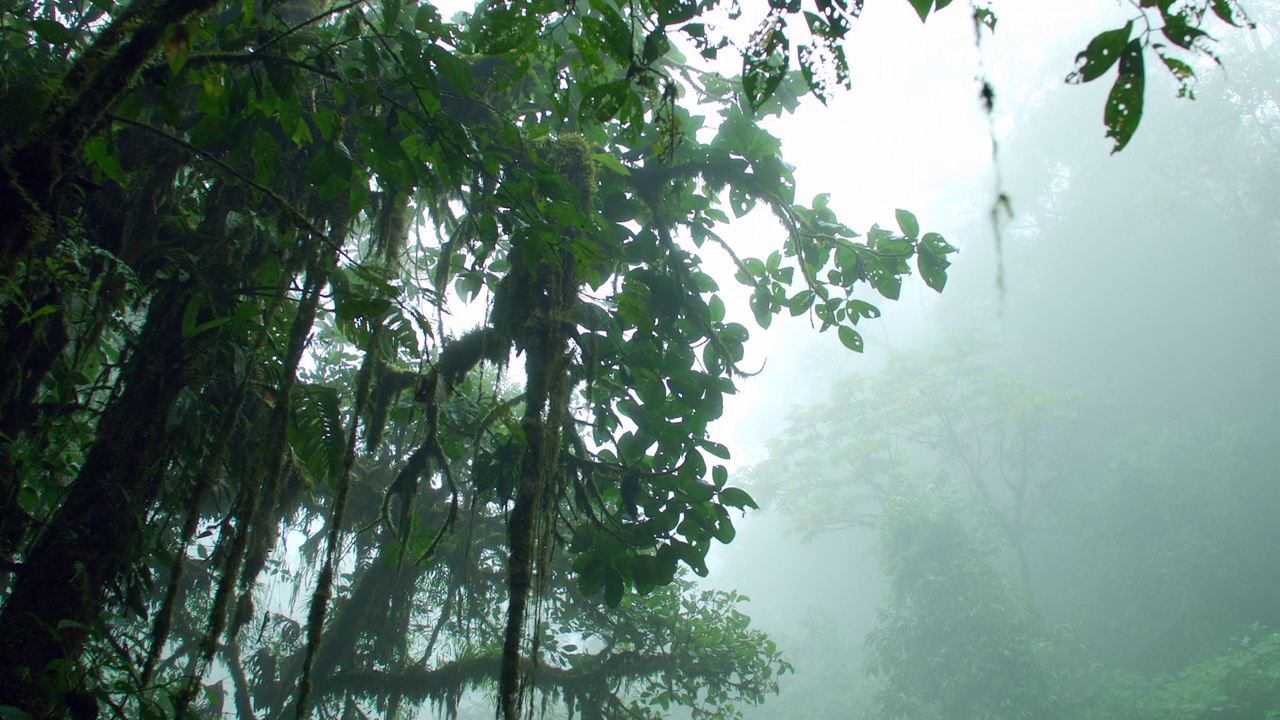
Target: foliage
[[1160, 547], [235, 238], [1158, 23], [1240, 683], [1153, 546], [292, 152], [956, 639], [942, 417], [827, 678]]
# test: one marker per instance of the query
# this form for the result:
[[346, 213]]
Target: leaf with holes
[[1101, 54], [765, 62], [850, 338], [1229, 11], [1124, 104], [1182, 73], [1181, 32]]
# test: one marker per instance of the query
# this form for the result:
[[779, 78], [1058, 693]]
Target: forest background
[[240, 410]]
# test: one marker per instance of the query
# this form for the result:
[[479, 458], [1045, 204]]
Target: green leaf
[[932, 262], [762, 308], [1178, 68], [100, 155], [614, 587], [1229, 11], [1124, 104], [716, 449], [41, 312], [1182, 74], [604, 102], [189, 315], [52, 31], [715, 308], [737, 498], [644, 573], [725, 531], [426, 19], [933, 269], [922, 7], [800, 302], [719, 475], [766, 60], [986, 17], [611, 163], [656, 45], [1181, 32], [910, 226], [861, 309], [850, 338], [1103, 52], [740, 201], [609, 32], [888, 285]]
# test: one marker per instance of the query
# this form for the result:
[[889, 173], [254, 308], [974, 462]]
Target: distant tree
[[1159, 551], [1238, 684], [943, 418], [1152, 549], [956, 640]]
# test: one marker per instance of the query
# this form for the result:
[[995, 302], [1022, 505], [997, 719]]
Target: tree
[[1159, 552], [956, 639], [942, 417], [205, 199], [1151, 546], [1239, 683]]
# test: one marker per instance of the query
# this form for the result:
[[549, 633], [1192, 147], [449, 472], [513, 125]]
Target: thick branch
[[448, 680]]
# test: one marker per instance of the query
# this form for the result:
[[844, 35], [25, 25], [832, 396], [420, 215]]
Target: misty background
[[1138, 308]]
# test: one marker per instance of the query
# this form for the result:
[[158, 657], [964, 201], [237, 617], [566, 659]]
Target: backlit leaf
[[910, 226], [1124, 104], [1103, 52], [850, 338]]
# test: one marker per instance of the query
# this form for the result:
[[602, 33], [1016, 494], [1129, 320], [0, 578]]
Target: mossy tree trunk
[[95, 534]]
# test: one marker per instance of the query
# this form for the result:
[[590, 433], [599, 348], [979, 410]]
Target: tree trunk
[[94, 535]]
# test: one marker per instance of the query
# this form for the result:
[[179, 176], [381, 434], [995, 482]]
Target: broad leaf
[[1103, 52], [1124, 104]]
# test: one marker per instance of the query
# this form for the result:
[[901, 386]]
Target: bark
[[552, 293], [30, 172], [94, 536]]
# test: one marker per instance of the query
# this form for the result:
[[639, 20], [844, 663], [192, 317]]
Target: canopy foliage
[[238, 242]]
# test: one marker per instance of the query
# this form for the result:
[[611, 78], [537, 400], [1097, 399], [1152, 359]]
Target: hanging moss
[[549, 294]]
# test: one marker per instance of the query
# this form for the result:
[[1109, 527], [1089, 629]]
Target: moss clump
[[570, 157]]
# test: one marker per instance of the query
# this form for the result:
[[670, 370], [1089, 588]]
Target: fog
[[1093, 397]]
